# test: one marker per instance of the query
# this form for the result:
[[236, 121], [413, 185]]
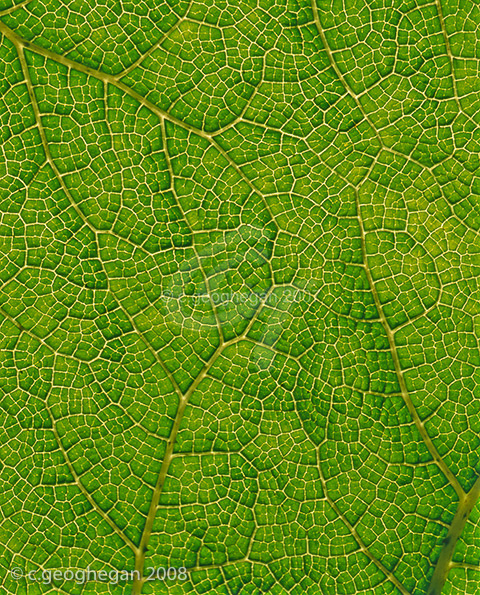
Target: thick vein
[[399, 371], [390, 334], [353, 532], [43, 138], [67, 192], [14, 8], [444, 563], [168, 457], [157, 492], [466, 501], [83, 218], [20, 43]]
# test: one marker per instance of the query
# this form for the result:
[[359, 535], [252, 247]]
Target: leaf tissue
[[239, 297]]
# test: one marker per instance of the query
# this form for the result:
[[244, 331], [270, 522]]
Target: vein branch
[[197, 256], [14, 7], [168, 457], [68, 462], [399, 371], [444, 562], [82, 488], [355, 534]]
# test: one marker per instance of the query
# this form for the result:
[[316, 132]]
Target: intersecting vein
[[387, 573], [80, 485], [132, 322], [448, 47], [142, 336], [179, 204], [466, 500], [465, 566], [390, 335], [46, 148], [444, 562], [14, 8], [20, 43], [354, 96], [76, 207], [156, 45], [168, 456], [76, 477], [452, 479]]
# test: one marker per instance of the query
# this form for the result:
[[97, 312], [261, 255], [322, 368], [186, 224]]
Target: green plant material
[[239, 300]]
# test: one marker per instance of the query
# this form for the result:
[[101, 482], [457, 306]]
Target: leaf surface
[[239, 296]]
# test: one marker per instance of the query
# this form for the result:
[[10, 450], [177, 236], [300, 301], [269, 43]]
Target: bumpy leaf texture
[[239, 296]]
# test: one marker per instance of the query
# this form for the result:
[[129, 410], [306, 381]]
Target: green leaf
[[239, 297]]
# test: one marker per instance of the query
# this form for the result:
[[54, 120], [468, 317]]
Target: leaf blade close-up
[[239, 298]]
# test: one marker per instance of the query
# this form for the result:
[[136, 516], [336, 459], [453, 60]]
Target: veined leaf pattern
[[239, 296]]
